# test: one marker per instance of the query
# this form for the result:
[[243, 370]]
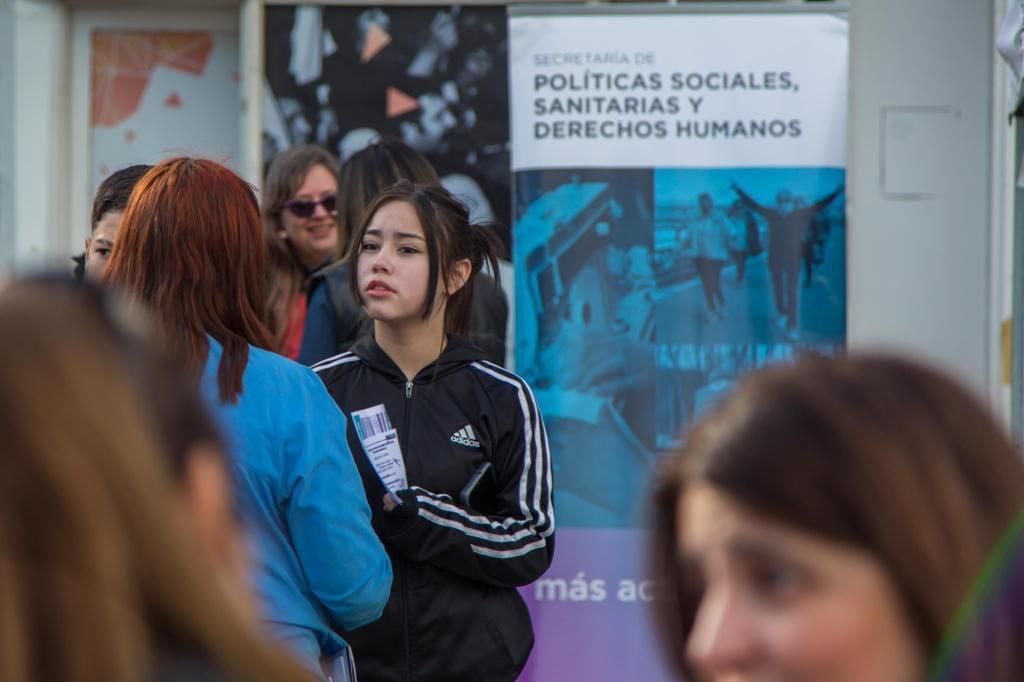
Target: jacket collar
[[457, 353]]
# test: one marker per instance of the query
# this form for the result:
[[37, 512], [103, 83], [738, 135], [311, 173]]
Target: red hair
[[191, 248]]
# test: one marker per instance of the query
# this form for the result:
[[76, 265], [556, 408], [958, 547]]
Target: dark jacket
[[454, 613], [335, 320]]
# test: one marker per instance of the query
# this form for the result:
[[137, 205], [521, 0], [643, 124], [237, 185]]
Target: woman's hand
[[401, 504]]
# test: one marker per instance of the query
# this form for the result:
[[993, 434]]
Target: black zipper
[[403, 440]]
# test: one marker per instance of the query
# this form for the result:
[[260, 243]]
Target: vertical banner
[[679, 220]]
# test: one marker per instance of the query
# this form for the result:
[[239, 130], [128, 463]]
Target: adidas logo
[[465, 436]]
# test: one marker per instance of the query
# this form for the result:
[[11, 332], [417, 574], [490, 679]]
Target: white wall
[[919, 202], [6, 134], [37, 134], [1003, 248], [252, 47], [44, 193]]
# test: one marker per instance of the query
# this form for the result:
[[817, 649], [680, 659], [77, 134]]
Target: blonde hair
[[98, 572]]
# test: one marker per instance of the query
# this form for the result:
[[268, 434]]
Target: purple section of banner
[[591, 612]]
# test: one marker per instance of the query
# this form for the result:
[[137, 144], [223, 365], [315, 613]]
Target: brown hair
[[114, 191], [286, 276], [450, 237], [181, 420], [191, 248], [99, 577], [370, 171], [878, 453], [285, 175]]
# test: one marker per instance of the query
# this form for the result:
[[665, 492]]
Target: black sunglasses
[[305, 208]]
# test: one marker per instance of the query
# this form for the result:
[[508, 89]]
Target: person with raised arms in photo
[[788, 224]]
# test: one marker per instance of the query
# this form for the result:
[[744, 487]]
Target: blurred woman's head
[[300, 196], [828, 520], [102, 577], [370, 171], [191, 248]]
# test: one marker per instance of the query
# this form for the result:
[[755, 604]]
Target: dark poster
[[435, 77]]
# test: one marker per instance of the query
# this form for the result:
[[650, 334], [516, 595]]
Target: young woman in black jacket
[[474, 518]]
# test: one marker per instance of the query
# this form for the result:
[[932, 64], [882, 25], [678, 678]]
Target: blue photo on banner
[[585, 317], [693, 378], [751, 270], [642, 296], [751, 255]]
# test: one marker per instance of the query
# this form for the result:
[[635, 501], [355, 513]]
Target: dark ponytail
[[482, 248]]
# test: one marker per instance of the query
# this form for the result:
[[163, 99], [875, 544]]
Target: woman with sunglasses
[[301, 231]]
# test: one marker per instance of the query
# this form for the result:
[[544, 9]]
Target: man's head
[[784, 200], [107, 207], [706, 203]]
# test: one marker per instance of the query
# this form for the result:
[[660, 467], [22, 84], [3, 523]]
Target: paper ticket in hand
[[380, 442]]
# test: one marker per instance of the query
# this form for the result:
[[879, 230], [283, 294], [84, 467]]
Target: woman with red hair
[[191, 248]]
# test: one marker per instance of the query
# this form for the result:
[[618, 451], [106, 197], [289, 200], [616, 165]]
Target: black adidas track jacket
[[454, 613]]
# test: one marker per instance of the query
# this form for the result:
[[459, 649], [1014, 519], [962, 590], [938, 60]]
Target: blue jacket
[[318, 564], [320, 336]]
